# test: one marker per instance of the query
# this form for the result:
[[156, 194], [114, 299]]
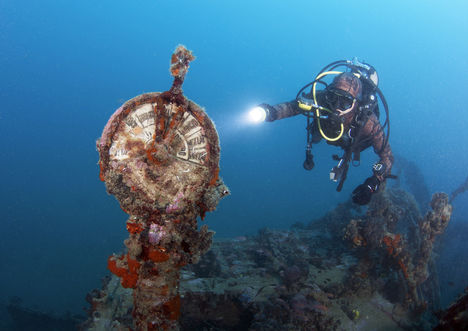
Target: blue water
[[65, 66]]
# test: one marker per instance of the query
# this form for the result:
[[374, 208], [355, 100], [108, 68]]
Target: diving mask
[[340, 101]]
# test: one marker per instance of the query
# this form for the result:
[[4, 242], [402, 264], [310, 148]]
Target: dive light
[[257, 114]]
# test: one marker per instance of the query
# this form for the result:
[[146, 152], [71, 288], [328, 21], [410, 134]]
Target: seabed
[[352, 269]]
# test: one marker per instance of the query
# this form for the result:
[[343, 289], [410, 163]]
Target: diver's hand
[[363, 193]]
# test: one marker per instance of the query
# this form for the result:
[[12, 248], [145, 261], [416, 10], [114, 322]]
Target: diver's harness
[[368, 105]]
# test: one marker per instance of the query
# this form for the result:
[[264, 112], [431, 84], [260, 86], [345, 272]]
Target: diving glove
[[363, 193]]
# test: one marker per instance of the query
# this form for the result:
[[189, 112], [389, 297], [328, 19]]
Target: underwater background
[[65, 66]]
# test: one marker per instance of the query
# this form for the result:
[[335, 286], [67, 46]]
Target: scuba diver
[[346, 114]]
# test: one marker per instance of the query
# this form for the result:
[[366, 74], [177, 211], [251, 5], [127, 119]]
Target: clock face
[[137, 126], [192, 141], [189, 142], [165, 155]]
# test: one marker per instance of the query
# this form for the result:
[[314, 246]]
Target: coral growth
[[410, 250], [126, 268]]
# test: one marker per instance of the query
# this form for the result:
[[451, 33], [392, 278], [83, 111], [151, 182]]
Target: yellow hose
[[328, 110]]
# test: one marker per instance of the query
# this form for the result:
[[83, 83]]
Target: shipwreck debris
[[308, 277], [394, 224], [159, 156]]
